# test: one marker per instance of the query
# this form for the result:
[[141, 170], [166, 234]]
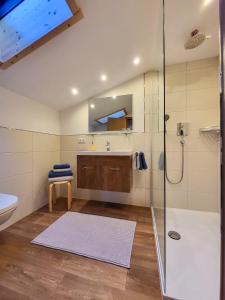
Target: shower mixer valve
[[182, 129]]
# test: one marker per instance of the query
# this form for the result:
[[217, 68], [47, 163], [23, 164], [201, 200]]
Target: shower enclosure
[[186, 145]]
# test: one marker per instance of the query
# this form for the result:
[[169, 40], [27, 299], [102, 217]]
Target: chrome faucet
[[108, 146]]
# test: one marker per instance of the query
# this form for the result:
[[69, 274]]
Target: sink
[[106, 153]]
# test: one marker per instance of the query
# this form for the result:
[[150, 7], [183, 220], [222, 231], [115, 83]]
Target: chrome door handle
[[86, 167]]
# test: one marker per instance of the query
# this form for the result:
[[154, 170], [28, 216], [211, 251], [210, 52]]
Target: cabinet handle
[[86, 167], [114, 169]]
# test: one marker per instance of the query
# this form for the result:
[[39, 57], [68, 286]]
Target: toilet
[[8, 204]]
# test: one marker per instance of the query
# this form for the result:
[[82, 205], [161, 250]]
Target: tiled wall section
[[140, 194], [192, 95], [154, 91], [25, 159]]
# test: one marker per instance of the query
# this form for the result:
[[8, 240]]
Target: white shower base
[[193, 262]]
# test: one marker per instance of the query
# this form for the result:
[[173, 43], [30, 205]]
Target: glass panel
[[156, 81], [222, 68], [192, 150], [40, 16]]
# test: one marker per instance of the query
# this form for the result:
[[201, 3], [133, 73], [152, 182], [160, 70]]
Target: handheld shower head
[[167, 117]]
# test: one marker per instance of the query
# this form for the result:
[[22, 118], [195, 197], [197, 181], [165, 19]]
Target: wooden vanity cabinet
[[88, 172], [107, 173]]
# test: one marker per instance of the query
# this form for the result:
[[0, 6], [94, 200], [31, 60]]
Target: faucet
[[108, 146]]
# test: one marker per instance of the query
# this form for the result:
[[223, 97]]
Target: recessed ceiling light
[[103, 77], [114, 96], [92, 106], [74, 91], [136, 61], [207, 2]]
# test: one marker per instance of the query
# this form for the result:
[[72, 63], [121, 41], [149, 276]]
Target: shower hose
[[182, 166]]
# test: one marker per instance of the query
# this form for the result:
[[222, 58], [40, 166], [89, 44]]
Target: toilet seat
[[7, 203]]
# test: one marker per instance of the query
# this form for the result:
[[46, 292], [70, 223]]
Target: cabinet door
[[88, 172], [116, 174]]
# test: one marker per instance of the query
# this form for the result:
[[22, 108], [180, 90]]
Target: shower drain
[[174, 235]]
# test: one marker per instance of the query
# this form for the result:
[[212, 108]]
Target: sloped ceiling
[[106, 40]]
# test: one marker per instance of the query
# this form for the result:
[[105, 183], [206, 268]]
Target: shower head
[[167, 117], [195, 40]]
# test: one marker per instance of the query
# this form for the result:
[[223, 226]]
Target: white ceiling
[[182, 17], [106, 40]]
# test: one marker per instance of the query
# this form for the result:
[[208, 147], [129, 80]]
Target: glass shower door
[[192, 150], [156, 79]]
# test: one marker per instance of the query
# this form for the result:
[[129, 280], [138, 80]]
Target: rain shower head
[[195, 40]]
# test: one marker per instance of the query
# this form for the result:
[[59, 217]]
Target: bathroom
[[111, 149]]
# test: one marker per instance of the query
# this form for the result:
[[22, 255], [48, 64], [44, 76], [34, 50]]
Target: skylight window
[[116, 115], [27, 24]]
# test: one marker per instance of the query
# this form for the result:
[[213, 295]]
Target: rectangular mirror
[[111, 113]]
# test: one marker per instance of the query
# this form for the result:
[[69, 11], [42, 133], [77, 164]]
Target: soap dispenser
[[92, 147]]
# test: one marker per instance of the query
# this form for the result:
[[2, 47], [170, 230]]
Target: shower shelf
[[210, 129]]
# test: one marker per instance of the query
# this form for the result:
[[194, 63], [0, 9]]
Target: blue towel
[[53, 174], [161, 161], [137, 160], [142, 162], [61, 166]]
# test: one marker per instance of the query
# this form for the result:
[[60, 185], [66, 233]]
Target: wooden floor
[[33, 272]]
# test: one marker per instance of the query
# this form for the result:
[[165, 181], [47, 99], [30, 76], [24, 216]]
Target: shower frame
[[222, 112]]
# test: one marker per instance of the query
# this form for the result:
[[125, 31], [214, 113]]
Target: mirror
[[111, 113]]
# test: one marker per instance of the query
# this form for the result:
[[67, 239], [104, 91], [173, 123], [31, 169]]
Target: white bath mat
[[101, 238]]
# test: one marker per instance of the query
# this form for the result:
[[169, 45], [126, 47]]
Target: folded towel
[[61, 166], [53, 174], [63, 178], [137, 160], [161, 162], [62, 170], [142, 162]]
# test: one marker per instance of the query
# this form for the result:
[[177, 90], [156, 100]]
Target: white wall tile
[[45, 142], [175, 82], [193, 98], [176, 199], [202, 78], [15, 140], [202, 118], [203, 201], [203, 63], [176, 68], [25, 160], [203, 99], [202, 161], [175, 102], [203, 181]]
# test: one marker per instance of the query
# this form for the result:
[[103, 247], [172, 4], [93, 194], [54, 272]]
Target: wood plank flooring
[[33, 272]]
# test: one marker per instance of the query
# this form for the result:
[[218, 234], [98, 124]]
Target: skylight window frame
[[77, 16], [105, 116]]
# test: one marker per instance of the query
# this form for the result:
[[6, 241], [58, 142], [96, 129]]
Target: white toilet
[[8, 204]]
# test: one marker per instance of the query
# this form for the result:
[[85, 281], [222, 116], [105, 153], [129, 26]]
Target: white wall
[[25, 159], [19, 112], [27, 152], [74, 120]]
